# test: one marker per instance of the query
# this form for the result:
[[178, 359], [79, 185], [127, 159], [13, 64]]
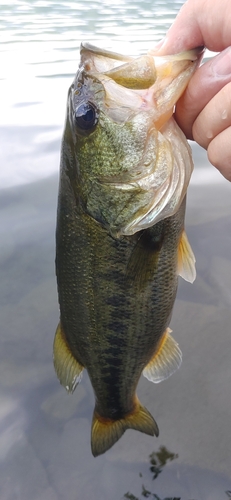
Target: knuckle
[[199, 135], [219, 156], [212, 154]]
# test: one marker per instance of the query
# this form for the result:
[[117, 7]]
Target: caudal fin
[[105, 432]]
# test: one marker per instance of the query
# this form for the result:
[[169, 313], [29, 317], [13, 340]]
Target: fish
[[120, 239]]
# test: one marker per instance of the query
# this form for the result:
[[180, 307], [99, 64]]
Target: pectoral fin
[[186, 260], [166, 360], [144, 258], [68, 369]]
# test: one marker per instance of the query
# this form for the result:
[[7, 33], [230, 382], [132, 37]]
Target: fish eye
[[86, 116]]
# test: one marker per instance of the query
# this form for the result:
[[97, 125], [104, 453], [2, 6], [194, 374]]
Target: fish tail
[[105, 432]]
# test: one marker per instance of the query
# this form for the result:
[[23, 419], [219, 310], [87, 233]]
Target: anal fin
[[166, 360], [68, 369], [186, 260]]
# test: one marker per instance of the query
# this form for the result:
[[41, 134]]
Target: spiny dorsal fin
[[106, 432], [186, 260], [68, 369], [166, 360]]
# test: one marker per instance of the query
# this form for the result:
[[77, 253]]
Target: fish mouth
[[149, 83]]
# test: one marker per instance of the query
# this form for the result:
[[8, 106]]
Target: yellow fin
[[166, 360], [105, 432], [68, 369], [186, 260]]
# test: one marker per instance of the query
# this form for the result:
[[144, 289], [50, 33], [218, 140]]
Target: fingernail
[[221, 64], [160, 43], [158, 47]]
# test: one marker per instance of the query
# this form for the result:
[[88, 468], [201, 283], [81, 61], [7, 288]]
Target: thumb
[[199, 22]]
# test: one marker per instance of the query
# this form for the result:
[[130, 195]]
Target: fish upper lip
[[190, 55]]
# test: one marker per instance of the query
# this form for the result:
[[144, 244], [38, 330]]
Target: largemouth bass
[[121, 244]]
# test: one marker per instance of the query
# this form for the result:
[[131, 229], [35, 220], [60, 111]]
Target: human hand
[[204, 111]]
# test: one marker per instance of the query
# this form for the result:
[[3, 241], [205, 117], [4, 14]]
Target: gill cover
[[137, 163]]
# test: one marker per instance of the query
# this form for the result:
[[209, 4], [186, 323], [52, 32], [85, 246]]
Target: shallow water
[[45, 433]]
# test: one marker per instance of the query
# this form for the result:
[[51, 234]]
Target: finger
[[219, 152], [214, 118], [199, 22], [207, 81]]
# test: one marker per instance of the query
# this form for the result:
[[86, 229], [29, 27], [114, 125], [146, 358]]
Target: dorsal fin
[[68, 369], [166, 360], [186, 260]]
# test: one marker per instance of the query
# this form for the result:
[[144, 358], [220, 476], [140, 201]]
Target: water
[[45, 433]]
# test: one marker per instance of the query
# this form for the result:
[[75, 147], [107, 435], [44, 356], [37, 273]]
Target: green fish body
[[125, 168]]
